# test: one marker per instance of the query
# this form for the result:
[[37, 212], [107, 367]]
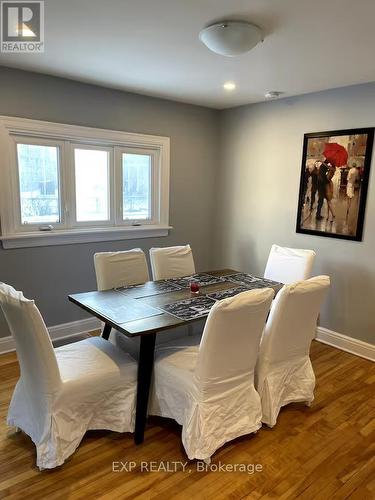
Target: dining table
[[153, 307]]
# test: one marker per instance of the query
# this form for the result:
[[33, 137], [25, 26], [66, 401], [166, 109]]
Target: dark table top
[[135, 311]]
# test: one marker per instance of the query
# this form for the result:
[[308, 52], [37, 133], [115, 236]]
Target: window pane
[[91, 174], [38, 168], [136, 185]]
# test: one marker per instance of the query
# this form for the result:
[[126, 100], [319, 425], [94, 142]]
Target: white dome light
[[231, 38]]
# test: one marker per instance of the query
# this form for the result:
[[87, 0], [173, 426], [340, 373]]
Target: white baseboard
[[6, 345], [345, 343], [334, 339], [57, 332]]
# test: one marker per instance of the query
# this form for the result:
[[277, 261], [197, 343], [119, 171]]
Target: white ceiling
[[152, 47]]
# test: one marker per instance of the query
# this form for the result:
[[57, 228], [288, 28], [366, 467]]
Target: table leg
[[145, 367], [106, 331]]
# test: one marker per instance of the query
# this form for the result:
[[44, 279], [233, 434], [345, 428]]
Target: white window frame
[[155, 185], [15, 181], [74, 223], [14, 234]]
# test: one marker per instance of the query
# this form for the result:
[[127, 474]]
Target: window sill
[[74, 236]]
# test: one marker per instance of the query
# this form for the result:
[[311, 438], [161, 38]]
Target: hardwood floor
[[323, 452]]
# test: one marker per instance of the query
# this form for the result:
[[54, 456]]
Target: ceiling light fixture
[[231, 38], [229, 86]]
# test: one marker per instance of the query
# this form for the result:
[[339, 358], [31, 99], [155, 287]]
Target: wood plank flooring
[[323, 452]]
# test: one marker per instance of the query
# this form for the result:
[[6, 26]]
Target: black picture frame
[[364, 181]]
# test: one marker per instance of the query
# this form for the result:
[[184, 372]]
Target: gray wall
[[49, 274], [234, 183], [258, 192]]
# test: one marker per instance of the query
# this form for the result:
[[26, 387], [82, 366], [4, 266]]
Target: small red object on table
[[194, 287]]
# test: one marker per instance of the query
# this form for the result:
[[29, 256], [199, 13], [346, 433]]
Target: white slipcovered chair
[[174, 262], [171, 262], [116, 269], [209, 388], [66, 391], [288, 265], [284, 372]]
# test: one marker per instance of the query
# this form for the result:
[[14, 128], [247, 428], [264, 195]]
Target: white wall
[[261, 151]]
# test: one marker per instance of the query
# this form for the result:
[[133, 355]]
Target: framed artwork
[[334, 180]]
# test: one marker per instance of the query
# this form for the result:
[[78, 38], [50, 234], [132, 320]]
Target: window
[[39, 186], [63, 180], [136, 186], [92, 181]]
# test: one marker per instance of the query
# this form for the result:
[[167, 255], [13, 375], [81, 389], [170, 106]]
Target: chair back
[[291, 325], [230, 343], [115, 269], [288, 265], [40, 374], [171, 262]]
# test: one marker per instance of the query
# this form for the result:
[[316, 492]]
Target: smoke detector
[[273, 94]]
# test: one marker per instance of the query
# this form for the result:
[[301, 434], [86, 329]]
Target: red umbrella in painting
[[336, 154]]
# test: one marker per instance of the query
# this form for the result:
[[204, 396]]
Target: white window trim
[[13, 238], [74, 223], [14, 202], [155, 198]]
